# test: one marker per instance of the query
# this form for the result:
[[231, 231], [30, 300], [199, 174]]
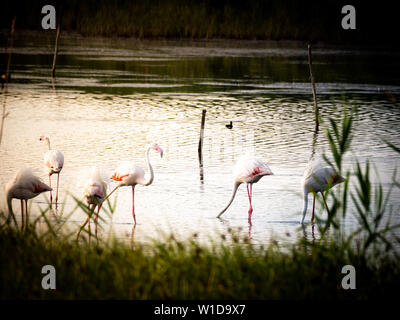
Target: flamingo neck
[[305, 204], [48, 143], [150, 168], [9, 205], [235, 187]]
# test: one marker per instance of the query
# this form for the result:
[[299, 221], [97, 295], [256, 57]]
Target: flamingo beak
[[160, 151]]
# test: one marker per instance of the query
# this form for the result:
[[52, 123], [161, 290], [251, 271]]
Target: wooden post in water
[[7, 77], [313, 89], [314, 143], [53, 69], [200, 148]]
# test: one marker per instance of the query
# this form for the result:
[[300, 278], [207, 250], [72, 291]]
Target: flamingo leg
[[251, 199], [51, 193], [313, 209], [97, 217], [89, 217], [89, 232], [249, 233], [26, 212], [58, 179], [326, 205], [249, 193], [133, 234], [22, 214], [133, 204]]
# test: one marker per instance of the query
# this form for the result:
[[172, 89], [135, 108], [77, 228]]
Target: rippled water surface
[[114, 96]]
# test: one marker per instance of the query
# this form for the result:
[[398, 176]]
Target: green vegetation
[[233, 19], [173, 269], [176, 270]]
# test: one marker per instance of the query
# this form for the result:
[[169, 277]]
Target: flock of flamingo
[[248, 169]]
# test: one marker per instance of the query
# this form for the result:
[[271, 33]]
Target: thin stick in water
[[200, 148], [7, 77], [53, 70], [313, 89]]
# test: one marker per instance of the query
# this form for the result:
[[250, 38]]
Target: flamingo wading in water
[[129, 174], [24, 186], [318, 179], [54, 162], [94, 192], [249, 170]]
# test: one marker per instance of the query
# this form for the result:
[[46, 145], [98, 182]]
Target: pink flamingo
[[129, 174], [318, 179], [94, 193], [249, 170], [54, 162], [24, 186]]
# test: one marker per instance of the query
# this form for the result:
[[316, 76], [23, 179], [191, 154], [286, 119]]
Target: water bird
[[94, 192], [129, 174], [4, 79], [230, 125], [24, 186], [318, 178], [54, 162], [248, 169]]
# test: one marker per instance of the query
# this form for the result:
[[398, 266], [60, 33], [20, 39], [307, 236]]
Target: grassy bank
[[254, 19], [175, 270]]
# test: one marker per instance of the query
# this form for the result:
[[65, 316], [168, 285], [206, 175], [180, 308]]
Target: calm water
[[114, 96]]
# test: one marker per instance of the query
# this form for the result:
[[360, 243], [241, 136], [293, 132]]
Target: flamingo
[[129, 174], [24, 186], [53, 161], [94, 192], [248, 169], [318, 179]]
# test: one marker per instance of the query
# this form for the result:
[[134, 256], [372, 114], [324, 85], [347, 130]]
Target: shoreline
[[22, 34]]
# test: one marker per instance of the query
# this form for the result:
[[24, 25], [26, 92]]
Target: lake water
[[114, 96]]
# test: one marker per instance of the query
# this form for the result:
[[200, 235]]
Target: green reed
[[371, 204]]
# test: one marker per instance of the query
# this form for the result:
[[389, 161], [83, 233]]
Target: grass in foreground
[[185, 270]]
